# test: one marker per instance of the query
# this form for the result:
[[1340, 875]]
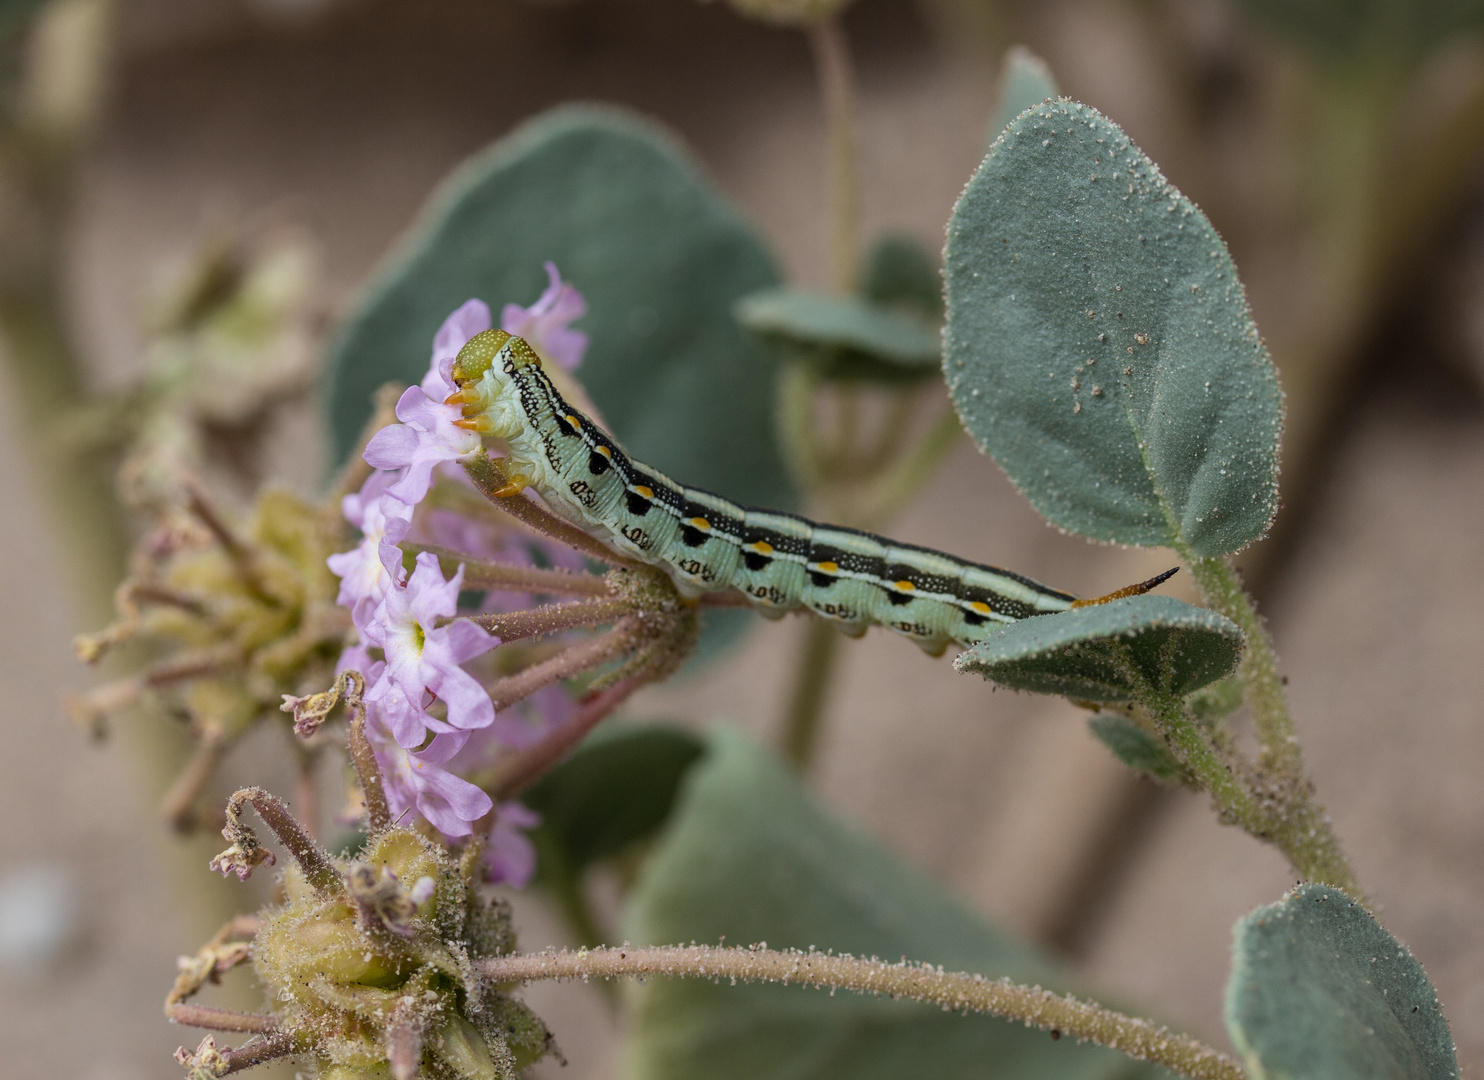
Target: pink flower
[[544, 324], [417, 780], [423, 658], [428, 435], [509, 856], [472, 317], [383, 520]]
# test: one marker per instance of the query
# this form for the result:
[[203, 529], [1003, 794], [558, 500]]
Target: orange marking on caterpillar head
[[1130, 590]]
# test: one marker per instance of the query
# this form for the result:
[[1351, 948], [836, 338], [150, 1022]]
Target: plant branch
[[520, 770], [550, 619], [319, 870], [816, 664], [581, 657], [920, 982], [832, 63], [203, 1016], [272, 1046], [506, 577], [1297, 821], [911, 471], [362, 757]]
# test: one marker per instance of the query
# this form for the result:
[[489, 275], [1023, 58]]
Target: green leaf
[[1138, 749], [898, 273], [1025, 80], [618, 787], [748, 855], [1099, 344], [1107, 652], [847, 337], [1319, 991], [628, 218]]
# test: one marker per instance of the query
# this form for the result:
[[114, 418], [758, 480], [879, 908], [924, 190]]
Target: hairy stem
[[319, 870], [362, 757], [550, 619], [178, 807], [1297, 821], [832, 63], [583, 656], [804, 716], [520, 770], [203, 1016], [957, 992], [272, 1046], [479, 574]]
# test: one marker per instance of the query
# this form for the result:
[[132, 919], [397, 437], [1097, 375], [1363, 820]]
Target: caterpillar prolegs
[[706, 543]]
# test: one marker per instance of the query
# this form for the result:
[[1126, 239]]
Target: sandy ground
[[1377, 613]]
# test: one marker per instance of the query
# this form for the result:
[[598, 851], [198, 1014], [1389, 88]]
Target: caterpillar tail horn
[[1129, 590]]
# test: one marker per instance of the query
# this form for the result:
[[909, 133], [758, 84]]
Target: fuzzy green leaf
[[1025, 80], [1106, 653], [1099, 344], [846, 337], [1319, 991], [1138, 749], [627, 217], [749, 856]]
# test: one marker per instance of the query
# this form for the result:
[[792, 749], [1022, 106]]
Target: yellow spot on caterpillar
[[646, 492], [905, 586], [829, 568], [574, 421], [979, 606], [762, 547], [605, 451], [700, 523]]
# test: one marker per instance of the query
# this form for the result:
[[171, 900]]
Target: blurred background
[[1336, 146]]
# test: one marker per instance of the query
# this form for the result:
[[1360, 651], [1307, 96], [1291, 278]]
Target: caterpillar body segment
[[707, 543]]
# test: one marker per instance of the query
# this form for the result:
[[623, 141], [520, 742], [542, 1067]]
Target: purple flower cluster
[[426, 717]]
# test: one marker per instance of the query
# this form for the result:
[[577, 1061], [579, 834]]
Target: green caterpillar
[[706, 543]]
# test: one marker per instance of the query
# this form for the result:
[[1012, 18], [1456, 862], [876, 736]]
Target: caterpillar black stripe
[[706, 543]]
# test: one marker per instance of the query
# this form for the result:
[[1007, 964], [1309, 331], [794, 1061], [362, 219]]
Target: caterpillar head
[[477, 355]]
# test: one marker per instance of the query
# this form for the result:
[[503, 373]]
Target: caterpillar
[[706, 543]]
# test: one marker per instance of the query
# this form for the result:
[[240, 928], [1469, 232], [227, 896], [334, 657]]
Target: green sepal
[[847, 338], [1320, 991], [749, 856], [1138, 749], [1099, 344], [1112, 651]]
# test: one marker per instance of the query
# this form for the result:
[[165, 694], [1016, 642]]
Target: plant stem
[[1297, 822], [203, 1016], [549, 619], [910, 472], [319, 870], [1198, 755], [583, 656], [957, 992], [520, 770], [816, 665], [832, 63], [479, 574], [362, 756]]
